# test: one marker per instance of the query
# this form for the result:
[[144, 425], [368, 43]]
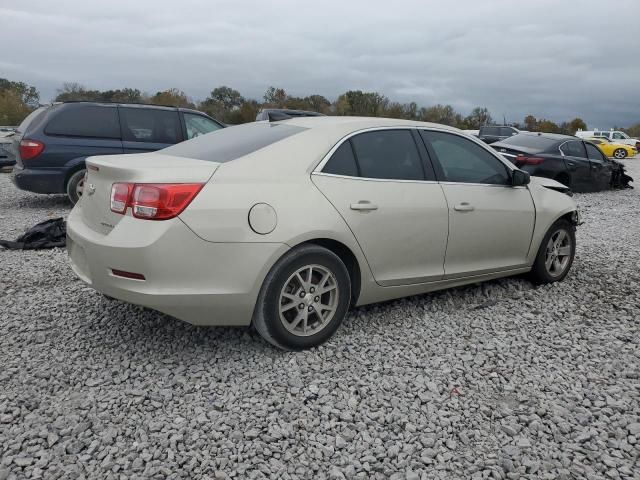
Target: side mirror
[[520, 178]]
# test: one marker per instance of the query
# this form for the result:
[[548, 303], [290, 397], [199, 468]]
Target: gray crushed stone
[[501, 380]]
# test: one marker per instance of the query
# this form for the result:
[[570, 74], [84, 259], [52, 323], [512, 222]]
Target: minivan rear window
[[85, 121], [230, 143], [30, 118]]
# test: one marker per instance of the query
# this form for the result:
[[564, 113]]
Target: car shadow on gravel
[[44, 202], [131, 328]]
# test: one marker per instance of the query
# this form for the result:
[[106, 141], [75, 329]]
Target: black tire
[[620, 153], [74, 184], [541, 273], [267, 317]]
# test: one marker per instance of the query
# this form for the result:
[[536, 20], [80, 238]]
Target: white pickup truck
[[613, 135]]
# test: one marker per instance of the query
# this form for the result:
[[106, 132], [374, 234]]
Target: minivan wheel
[[619, 153], [75, 186], [556, 253], [303, 299]]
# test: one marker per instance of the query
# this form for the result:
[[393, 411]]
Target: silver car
[[286, 224]]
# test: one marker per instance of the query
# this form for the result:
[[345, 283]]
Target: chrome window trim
[[369, 179], [498, 156]]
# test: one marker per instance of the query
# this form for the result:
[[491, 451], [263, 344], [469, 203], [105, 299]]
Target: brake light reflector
[[30, 149], [153, 201], [125, 274], [524, 160]]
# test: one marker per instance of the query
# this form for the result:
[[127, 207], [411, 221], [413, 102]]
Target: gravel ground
[[500, 380]]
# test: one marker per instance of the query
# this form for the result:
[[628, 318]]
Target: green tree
[[479, 116], [72, 91], [357, 102], [318, 103], [12, 107], [28, 95], [172, 97], [444, 114], [124, 95], [633, 131], [222, 104], [531, 123], [575, 125], [547, 126], [275, 97]]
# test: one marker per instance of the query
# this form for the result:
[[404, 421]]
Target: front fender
[[550, 205]]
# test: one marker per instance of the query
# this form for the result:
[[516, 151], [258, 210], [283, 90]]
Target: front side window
[[85, 121], [198, 125], [150, 125], [462, 160], [388, 154], [617, 136], [593, 153], [573, 149]]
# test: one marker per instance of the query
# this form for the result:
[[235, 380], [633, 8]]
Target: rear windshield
[[538, 142], [30, 118], [230, 143]]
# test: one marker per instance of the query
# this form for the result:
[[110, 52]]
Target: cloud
[[551, 59]]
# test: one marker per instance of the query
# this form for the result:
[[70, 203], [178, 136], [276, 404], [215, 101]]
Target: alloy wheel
[[620, 153], [80, 188], [308, 300], [558, 253]]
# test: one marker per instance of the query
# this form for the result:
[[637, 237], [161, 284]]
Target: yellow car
[[612, 149]]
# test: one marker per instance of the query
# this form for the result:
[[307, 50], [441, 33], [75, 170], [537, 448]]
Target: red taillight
[[153, 201], [120, 197], [30, 149], [524, 160]]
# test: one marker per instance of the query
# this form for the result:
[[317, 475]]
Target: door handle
[[363, 205], [571, 164], [464, 207]]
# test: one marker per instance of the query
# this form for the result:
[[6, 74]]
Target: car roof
[[352, 124], [130, 104]]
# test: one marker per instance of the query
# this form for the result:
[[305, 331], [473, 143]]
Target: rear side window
[[342, 162], [388, 154], [593, 153], [229, 143], [150, 125], [573, 149], [464, 161], [85, 121]]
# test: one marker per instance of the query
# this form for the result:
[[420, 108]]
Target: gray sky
[[553, 59]]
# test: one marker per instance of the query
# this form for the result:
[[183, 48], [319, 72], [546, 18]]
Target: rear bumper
[[199, 282], [39, 180]]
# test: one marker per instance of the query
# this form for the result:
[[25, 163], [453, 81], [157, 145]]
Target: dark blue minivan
[[53, 142]]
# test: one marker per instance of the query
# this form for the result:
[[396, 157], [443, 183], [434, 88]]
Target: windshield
[[229, 143]]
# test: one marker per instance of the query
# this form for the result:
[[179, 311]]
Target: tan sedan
[[287, 224]]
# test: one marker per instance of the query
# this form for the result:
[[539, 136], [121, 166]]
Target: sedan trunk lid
[[103, 172]]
